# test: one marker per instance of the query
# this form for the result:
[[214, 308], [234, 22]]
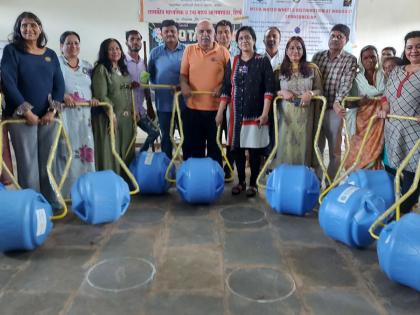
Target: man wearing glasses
[[338, 70]]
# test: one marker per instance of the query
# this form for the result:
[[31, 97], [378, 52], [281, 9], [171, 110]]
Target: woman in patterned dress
[[76, 120], [402, 97], [297, 81], [248, 88]]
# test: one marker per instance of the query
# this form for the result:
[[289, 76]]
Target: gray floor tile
[[251, 247], [143, 216], [329, 301], [320, 266], [188, 231], [75, 235], [14, 303], [191, 304], [190, 269], [129, 245], [55, 270]]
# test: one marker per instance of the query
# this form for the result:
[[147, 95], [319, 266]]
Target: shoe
[[251, 191], [237, 189]]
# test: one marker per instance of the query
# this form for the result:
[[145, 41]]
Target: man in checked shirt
[[338, 70]]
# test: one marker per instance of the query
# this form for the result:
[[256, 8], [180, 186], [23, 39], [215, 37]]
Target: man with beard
[[135, 66], [164, 66], [202, 69], [272, 37], [338, 70]]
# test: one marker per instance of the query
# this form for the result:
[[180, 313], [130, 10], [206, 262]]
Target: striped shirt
[[337, 74]]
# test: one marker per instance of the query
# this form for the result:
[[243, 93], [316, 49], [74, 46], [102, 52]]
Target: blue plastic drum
[[347, 212], [24, 220], [292, 189], [380, 182], [200, 180], [100, 197], [149, 169], [398, 250]]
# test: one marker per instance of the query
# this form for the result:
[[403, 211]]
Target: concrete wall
[[379, 22]]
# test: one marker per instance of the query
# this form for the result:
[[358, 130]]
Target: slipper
[[237, 189], [251, 191]]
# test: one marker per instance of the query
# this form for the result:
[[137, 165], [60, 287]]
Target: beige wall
[[379, 22]]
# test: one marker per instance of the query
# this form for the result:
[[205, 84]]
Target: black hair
[[342, 29], [104, 60], [16, 37], [409, 35], [168, 23], [132, 32], [224, 23], [66, 34], [286, 65], [397, 60], [251, 31], [394, 51], [271, 28]]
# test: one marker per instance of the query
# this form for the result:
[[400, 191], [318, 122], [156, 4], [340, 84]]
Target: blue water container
[[380, 182], [292, 189], [24, 220], [100, 197], [149, 169], [347, 212], [398, 250], [2, 187], [200, 180]]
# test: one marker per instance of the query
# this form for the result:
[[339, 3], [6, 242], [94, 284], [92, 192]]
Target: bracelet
[[312, 93]]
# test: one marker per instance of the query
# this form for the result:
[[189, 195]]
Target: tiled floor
[[234, 257]]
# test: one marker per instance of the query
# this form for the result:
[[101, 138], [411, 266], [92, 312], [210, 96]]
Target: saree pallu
[[371, 154], [7, 158]]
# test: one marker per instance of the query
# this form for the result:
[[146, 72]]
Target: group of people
[[222, 85]]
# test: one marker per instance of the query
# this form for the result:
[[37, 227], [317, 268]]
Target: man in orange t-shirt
[[202, 69]]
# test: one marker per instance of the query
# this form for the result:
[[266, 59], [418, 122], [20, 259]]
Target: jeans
[[151, 129]]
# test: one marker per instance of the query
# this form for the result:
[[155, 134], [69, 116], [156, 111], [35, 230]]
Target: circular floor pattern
[[261, 285], [120, 274], [242, 215]]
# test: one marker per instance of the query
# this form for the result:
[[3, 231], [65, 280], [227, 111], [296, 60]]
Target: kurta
[[403, 94], [113, 88], [297, 124], [78, 125], [245, 86]]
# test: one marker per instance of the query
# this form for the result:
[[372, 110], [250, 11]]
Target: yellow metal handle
[[219, 144], [110, 114], [346, 131], [176, 112], [276, 144], [51, 156], [339, 178], [399, 200], [318, 153]]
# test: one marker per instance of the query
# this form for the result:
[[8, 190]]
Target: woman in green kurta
[[112, 84], [297, 81]]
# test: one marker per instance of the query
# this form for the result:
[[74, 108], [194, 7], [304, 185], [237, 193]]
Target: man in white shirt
[[272, 37]]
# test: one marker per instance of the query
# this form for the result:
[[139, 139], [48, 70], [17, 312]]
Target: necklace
[[72, 67]]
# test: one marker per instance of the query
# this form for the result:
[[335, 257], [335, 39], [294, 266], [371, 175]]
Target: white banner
[[189, 11], [310, 19]]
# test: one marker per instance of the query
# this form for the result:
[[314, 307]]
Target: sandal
[[251, 191], [237, 189]]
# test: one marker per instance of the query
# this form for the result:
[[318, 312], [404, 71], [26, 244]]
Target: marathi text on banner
[[311, 19], [189, 11]]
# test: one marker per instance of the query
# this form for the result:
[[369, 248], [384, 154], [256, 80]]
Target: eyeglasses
[[339, 37]]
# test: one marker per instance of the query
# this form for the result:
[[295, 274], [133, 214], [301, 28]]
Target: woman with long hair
[[297, 81], [111, 83], [33, 87]]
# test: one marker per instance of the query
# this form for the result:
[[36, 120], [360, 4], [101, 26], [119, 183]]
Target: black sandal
[[237, 189], [251, 191]]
